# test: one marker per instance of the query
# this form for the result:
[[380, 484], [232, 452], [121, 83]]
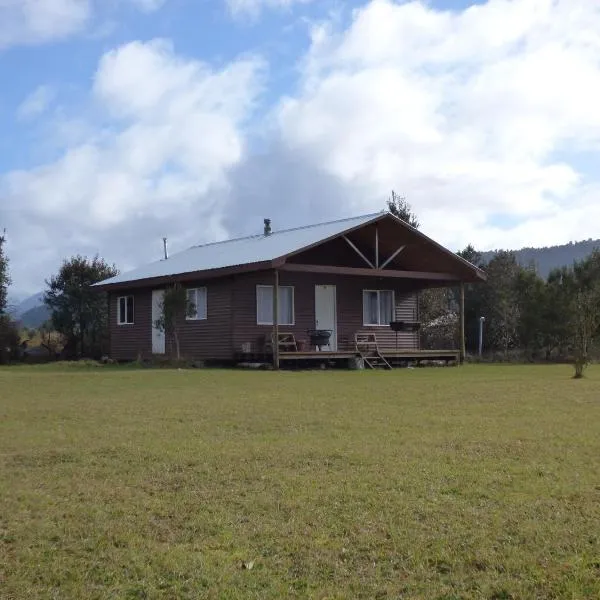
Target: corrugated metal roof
[[242, 251]]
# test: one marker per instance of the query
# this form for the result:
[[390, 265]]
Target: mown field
[[474, 482]]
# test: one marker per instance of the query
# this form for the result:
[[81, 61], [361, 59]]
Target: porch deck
[[396, 357]]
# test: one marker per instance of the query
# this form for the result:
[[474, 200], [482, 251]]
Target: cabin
[[333, 291]]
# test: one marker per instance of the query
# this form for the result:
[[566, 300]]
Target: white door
[[325, 312], [158, 336]]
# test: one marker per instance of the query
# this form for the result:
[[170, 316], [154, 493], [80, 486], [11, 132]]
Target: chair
[[286, 342]]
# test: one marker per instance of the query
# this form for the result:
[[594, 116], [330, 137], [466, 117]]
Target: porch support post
[[275, 343], [463, 349], [376, 247]]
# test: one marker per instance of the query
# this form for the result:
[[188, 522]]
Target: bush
[[9, 340]]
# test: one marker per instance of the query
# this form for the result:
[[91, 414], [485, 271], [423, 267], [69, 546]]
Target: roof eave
[[163, 280]]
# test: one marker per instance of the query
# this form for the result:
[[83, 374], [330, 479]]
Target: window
[[378, 307], [197, 298], [264, 305], [125, 310]]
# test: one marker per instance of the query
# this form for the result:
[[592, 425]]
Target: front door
[[158, 336], [326, 313]]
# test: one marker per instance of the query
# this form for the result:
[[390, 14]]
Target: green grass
[[476, 482]]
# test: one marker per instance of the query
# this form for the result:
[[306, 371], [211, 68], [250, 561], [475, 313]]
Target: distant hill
[[35, 317], [546, 259], [22, 307]]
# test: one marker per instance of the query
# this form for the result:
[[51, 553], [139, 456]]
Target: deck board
[[397, 356], [387, 353]]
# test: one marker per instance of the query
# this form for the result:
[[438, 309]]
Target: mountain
[[546, 259], [31, 312], [32, 302], [35, 317]]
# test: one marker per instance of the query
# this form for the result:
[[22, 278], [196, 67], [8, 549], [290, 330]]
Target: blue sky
[[126, 120]]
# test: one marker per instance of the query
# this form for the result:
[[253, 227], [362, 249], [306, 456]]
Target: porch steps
[[376, 361], [367, 348]]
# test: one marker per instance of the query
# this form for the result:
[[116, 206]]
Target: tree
[[174, 308], [471, 255], [500, 301], [9, 339], [400, 208], [584, 313], [9, 335], [78, 311], [50, 340], [534, 315], [4, 275]]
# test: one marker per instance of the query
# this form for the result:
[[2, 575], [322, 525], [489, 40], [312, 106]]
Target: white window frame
[[378, 292], [120, 320], [205, 303], [291, 287]]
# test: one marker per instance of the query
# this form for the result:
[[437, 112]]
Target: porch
[[349, 358], [365, 352]]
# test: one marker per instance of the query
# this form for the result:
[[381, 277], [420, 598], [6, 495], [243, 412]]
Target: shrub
[[9, 340]]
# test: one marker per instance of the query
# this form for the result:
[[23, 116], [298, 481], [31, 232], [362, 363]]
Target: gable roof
[[242, 251], [257, 252]]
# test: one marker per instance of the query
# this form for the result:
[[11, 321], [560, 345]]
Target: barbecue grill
[[406, 326], [319, 337]]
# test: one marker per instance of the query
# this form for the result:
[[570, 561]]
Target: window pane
[[121, 316], [129, 309], [264, 305], [192, 301], [201, 303], [370, 308], [386, 307], [285, 315]]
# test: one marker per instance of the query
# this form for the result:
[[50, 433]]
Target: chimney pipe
[[165, 248], [267, 226]]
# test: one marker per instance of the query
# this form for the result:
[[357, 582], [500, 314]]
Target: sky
[[124, 121]]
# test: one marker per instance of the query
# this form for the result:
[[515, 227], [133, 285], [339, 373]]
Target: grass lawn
[[474, 482]]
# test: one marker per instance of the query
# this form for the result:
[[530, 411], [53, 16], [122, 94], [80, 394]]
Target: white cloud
[[464, 112], [36, 103], [254, 7], [174, 128], [478, 116], [38, 21]]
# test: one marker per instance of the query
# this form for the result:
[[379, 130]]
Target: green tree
[[9, 335], [4, 275], [559, 291], [584, 310], [78, 311], [174, 308], [400, 208], [500, 301], [534, 315]]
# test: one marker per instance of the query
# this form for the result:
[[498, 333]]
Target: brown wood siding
[[231, 316], [129, 341], [202, 339], [210, 338], [349, 292]]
